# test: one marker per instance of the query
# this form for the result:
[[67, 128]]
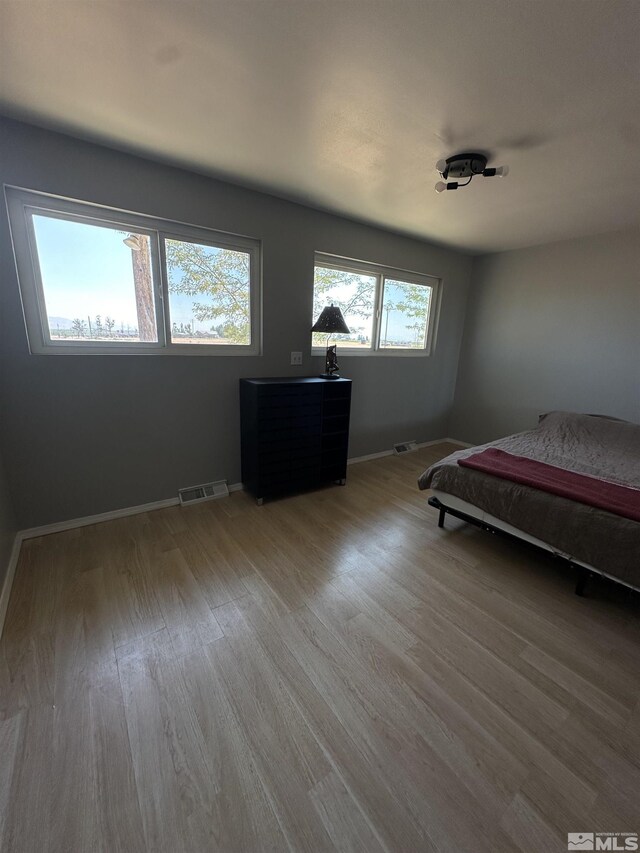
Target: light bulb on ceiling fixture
[[465, 166], [497, 172]]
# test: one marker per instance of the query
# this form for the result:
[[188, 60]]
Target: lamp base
[[329, 376]]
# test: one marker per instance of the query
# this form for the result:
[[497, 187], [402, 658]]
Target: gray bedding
[[597, 446]]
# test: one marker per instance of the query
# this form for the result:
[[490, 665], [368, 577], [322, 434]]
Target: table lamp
[[331, 322]]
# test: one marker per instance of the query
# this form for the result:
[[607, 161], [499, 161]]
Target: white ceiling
[[348, 105]]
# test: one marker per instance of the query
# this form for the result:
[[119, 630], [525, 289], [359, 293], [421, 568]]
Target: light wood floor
[[325, 672]]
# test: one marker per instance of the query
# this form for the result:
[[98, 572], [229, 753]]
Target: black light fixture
[[331, 322], [466, 166]]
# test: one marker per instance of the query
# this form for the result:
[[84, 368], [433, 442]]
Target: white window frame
[[22, 204], [382, 274]]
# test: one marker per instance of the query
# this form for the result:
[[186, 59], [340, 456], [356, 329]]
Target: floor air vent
[[404, 447], [206, 492]]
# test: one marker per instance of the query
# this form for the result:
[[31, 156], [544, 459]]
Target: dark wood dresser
[[295, 434]]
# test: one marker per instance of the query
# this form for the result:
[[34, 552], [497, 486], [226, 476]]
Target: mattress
[[596, 446]]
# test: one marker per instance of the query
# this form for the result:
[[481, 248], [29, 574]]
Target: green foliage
[[414, 304], [358, 291], [360, 302], [79, 328], [415, 300], [221, 277]]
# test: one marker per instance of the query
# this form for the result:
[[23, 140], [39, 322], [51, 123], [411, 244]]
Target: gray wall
[[87, 434], [552, 327], [7, 526]]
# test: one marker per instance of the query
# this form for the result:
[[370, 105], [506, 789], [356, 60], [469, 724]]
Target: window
[[388, 311], [105, 281]]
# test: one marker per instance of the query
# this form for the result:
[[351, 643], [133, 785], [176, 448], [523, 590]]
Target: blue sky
[[394, 325], [86, 270]]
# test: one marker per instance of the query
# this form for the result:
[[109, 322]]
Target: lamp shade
[[331, 321]]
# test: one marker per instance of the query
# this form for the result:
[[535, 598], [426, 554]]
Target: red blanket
[[620, 500]]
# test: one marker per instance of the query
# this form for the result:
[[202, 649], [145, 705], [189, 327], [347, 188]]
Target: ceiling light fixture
[[465, 166], [132, 242]]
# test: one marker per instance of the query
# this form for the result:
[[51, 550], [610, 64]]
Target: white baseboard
[[8, 580], [72, 523], [59, 526], [354, 459], [86, 520], [455, 441]]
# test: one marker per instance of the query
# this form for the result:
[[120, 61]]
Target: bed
[[594, 454]]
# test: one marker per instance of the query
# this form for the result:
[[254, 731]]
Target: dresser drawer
[[337, 390], [337, 441], [273, 395], [277, 428], [294, 433], [277, 479], [335, 407], [274, 443], [275, 462], [335, 424], [266, 414]]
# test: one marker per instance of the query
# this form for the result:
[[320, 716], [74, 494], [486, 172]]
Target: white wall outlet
[[296, 358]]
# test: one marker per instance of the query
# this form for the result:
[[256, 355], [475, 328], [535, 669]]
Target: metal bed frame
[[584, 575]]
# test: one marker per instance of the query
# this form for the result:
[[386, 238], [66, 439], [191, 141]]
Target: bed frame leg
[[583, 576], [443, 512]]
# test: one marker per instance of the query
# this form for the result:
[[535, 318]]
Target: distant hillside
[[60, 323]]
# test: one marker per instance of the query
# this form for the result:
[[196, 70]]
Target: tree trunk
[[143, 283]]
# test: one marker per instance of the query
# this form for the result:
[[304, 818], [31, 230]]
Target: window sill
[[198, 351], [369, 353]]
